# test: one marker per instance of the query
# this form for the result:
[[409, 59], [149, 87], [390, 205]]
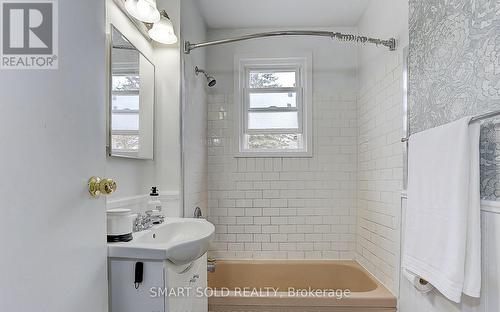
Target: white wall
[[380, 151], [194, 114], [168, 91], [285, 207], [135, 177], [334, 63]]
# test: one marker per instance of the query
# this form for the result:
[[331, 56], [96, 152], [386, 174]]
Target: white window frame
[[125, 152], [302, 65]]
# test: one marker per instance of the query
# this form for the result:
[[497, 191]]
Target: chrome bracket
[[187, 47], [392, 44]]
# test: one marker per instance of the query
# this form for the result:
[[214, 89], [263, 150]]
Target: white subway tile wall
[[195, 151], [380, 168], [285, 208]]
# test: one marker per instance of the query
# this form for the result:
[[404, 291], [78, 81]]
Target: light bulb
[[163, 31], [143, 10]]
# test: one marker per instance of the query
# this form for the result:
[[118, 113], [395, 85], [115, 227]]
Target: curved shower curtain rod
[[390, 43]]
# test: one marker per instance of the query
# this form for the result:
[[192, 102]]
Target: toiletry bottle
[[154, 203]]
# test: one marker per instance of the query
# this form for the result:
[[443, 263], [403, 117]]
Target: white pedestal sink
[[172, 255], [179, 240]]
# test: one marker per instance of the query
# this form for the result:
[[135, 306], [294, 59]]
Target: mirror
[[132, 98]]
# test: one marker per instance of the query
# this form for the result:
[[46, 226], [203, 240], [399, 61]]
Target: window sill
[[260, 154]]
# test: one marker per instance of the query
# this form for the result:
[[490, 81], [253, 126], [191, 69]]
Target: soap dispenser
[[153, 212], [154, 203]]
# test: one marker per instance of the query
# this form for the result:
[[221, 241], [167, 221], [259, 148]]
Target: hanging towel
[[442, 229], [420, 284]]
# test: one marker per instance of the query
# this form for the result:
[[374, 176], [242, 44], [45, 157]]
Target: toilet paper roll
[[419, 283]]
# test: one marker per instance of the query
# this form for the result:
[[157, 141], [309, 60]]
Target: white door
[[52, 139]]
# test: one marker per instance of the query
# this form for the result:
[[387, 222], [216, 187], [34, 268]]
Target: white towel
[[442, 229], [420, 284]]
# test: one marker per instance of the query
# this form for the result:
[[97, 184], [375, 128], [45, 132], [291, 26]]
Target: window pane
[[125, 122], [273, 100], [124, 142], [125, 102], [272, 79], [274, 120], [126, 83], [274, 141]]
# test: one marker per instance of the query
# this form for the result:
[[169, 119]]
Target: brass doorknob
[[98, 186]]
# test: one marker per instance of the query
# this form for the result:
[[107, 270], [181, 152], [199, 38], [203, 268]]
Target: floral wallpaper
[[454, 65]]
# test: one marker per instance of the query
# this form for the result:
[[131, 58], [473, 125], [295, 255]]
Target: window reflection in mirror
[[131, 122]]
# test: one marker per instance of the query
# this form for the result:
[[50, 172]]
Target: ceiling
[[281, 13]]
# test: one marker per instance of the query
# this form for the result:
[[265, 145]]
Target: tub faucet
[[211, 263], [197, 213]]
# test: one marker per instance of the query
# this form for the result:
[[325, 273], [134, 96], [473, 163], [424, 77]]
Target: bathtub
[[296, 285]]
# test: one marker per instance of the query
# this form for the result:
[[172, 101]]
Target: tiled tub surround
[[380, 151], [194, 113], [348, 287], [285, 208], [380, 167]]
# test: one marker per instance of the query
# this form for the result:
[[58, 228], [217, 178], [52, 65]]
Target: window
[[274, 107], [125, 113]]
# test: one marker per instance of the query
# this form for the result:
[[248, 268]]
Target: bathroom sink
[[179, 240]]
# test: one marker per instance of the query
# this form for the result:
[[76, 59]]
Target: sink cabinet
[[166, 287]]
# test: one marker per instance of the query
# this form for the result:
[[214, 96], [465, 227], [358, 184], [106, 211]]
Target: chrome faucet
[[155, 219], [146, 221], [197, 213], [142, 222]]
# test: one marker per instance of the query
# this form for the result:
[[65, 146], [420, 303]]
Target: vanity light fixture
[[158, 23], [143, 10], [163, 30]]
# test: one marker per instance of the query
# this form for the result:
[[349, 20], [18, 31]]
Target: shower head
[[210, 79]]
